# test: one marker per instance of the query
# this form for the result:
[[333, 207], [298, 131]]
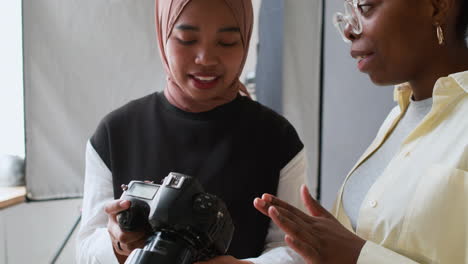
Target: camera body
[[187, 224]]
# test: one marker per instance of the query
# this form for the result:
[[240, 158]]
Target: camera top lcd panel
[[143, 190]]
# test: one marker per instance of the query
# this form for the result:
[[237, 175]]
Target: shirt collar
[[402, 95], [462, 79], [454, 84]]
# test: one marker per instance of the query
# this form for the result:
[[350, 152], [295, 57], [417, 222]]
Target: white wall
[[3, 239], [11, 79]]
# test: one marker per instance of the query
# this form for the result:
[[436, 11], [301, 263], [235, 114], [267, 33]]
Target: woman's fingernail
[[274, 211], [266, 197], [260, 202]]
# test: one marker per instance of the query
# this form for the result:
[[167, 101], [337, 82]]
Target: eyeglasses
[[351, 18]]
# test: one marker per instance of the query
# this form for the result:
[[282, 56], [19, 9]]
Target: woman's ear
[[441, 11]]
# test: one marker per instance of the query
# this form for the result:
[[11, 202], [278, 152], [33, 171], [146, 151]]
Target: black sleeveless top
[[236, 151]]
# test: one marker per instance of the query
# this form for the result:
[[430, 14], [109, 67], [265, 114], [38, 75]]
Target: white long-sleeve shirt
[[94, 244]]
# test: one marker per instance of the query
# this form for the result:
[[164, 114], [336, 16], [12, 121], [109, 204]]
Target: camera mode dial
[[204, 202]]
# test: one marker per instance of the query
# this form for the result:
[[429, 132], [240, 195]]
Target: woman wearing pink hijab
[[201, 126]]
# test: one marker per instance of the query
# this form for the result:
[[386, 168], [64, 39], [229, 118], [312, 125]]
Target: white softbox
[[302, 77], [82, 58], [289, 69]]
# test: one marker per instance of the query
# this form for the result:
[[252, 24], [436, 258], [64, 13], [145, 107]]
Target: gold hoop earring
[[440, 35]]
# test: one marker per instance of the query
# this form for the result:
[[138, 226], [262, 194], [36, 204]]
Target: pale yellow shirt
[[417, 210]]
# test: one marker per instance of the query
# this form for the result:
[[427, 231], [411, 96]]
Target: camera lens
[[163, 248]]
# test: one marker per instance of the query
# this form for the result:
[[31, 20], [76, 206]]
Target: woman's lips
[[204, 82], [364, 62], [364, 59]]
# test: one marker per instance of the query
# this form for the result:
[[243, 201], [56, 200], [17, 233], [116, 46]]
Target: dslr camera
[[186, 224]]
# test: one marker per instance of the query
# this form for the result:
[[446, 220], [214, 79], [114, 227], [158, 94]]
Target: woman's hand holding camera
[[123, 242]]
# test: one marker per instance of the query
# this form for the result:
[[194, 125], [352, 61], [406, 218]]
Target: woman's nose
[[206, 57], [349, 33]]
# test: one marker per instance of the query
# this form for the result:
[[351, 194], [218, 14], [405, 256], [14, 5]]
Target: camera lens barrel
[[163, 248]]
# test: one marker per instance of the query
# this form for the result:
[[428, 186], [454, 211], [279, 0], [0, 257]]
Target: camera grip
[[135, 218]]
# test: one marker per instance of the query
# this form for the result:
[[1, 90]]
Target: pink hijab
[[167, 13]]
